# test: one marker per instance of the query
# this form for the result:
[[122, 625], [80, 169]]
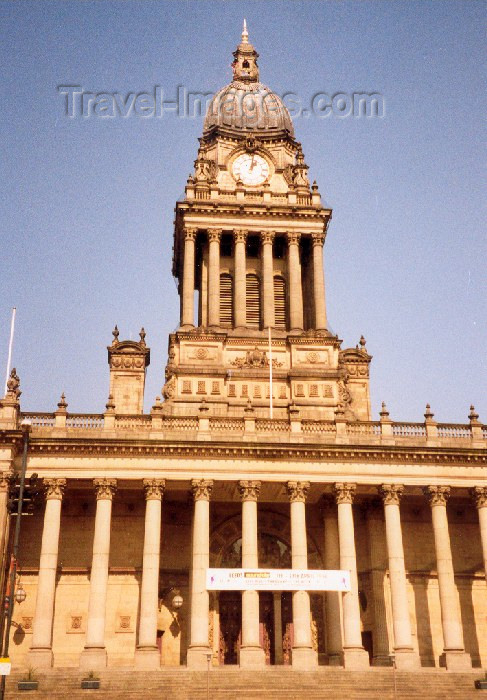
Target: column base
[[407, 659], [355, 658], [382, 660], [456, 660], [197, 657], [252, 657], [40, 658], [304, 658], [335, 659], [147, 657], [92, 659]]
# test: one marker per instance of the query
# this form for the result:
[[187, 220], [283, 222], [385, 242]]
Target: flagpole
[[270, 372], [10, 345]]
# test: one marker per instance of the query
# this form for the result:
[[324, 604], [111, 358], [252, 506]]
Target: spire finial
[[245, 34]]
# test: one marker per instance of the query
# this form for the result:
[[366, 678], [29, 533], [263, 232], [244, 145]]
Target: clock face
[[251, 169]]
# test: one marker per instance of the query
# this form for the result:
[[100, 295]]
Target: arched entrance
[[275, 608]]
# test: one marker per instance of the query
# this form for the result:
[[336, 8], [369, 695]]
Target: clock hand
[[252, 163]]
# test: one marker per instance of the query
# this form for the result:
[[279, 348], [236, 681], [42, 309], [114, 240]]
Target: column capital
[[344, 493], [437, 495], [54, 488], [297, 491], [105, 488], [293, 237], [6, 479], [479, 495], [249, 490], [190, 234], [154, 489], [240, 235], [391, 494], [318, 239], [267, 237], [214, 234], [201, 489]]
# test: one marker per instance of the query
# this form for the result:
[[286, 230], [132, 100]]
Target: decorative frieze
[[255, 358]]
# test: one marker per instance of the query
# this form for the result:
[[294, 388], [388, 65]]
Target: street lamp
[[20, 594]]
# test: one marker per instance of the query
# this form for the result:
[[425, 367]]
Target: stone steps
[[272, 684]]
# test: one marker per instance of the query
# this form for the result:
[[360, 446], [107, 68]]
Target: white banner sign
[[277, 580], [5, 666]]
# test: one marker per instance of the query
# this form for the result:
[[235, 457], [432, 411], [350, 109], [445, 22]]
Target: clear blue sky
[[87, 204]]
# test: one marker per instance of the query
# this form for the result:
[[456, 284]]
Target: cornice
[[270, 451], [217, 209]]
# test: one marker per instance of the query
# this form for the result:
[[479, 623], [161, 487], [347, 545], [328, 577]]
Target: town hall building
[[261, 452]]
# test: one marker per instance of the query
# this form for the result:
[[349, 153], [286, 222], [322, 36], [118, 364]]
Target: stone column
[[406, 657], [378, 566], [214, 236], [319, 281], [303, 654], [240, 279], [295, 283], [147, 654], [40, 653], [251, 652], [479, 494], [354, 655], [187, 316], [454, 650], [199, 642], [94, 654], [334, 646], [267, 238]]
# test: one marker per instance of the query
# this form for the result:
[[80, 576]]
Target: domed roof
[[246, 104]]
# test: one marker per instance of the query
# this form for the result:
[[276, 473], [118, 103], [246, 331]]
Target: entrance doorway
[[275, 625], [230, 606]]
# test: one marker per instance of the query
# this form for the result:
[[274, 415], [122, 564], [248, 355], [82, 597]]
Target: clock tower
[[248, 257]]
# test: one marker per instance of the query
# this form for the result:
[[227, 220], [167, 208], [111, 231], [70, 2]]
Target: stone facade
[[262, 452]]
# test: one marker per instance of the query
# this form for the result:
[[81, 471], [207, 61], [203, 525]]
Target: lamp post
[[19, 596]]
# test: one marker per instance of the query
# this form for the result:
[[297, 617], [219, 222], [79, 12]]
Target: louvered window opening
[[253, 302], [226, 300], [280, 302]]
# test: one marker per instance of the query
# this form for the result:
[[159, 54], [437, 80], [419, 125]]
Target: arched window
[[280, 302], [253, 302], [226, 297]]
